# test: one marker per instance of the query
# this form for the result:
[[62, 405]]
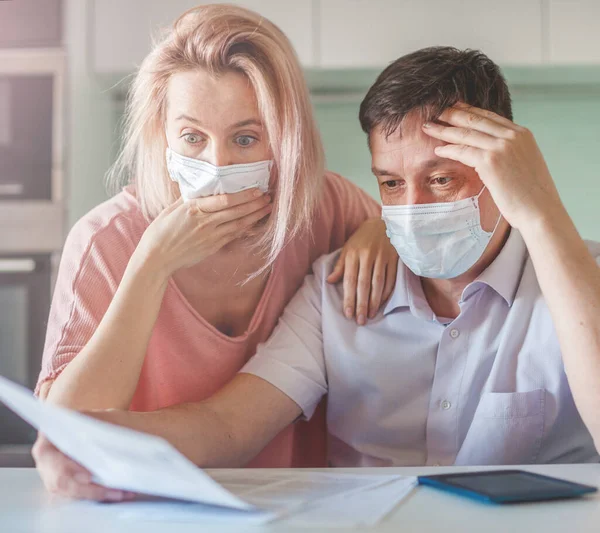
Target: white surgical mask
[[441, 240], [197, 178]]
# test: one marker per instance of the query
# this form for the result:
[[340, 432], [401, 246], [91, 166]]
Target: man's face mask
[[197, 179], [442, 240]]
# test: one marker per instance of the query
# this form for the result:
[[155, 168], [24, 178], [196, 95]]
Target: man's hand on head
[[506, 157]]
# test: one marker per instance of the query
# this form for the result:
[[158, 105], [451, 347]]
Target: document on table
[[129, 460], [371, 500]]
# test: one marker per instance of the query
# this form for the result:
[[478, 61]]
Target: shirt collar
[[400, 295], [503, 276], [504, 273]]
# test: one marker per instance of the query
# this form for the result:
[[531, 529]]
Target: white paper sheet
[[124, 459], [309, 498], [118, 457]]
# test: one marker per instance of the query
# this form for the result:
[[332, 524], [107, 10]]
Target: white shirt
[[405, 389]]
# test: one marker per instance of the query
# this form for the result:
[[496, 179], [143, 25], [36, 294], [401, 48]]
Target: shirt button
[[446, 405], [454, 333]]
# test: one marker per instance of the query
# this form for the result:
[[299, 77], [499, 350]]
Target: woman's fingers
[[363, 289], [377, 286], [350, 283], [65, 477], [391, 272], [338, 271], [233, 228], [219, 202], [240, 211]]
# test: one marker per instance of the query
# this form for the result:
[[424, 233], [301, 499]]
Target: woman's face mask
[[197, 179]]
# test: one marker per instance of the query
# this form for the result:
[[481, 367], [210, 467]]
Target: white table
[[26, 508]]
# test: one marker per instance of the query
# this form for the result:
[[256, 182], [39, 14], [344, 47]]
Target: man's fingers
[[469, 119], [351, 267], [490, 115], [467, 155], [457, 135], [212, 204]]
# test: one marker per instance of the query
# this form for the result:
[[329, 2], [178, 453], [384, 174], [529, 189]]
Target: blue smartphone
[[507, 486]]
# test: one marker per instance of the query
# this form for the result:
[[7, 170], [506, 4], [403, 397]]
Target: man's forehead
[[415, 146]]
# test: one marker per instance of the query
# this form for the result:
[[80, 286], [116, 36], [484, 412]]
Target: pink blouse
[[188, 359]]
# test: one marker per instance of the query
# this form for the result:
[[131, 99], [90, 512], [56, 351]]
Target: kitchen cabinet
[[30, 23], [574, 32], [372, 33], [122, 29]]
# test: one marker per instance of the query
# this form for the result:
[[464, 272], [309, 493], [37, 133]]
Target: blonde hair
[[220, 38]]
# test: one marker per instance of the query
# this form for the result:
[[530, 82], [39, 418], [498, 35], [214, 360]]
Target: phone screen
[[514, 483]]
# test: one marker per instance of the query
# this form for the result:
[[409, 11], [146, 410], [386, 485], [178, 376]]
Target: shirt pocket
[[507, 429]]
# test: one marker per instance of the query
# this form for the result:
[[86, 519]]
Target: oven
[[25, 286]]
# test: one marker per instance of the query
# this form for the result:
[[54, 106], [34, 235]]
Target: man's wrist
[[549, 222]]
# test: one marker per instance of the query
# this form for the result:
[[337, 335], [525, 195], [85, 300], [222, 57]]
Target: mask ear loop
[[497, 221]]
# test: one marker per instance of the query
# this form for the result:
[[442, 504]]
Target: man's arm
[[225, 431], [510, 164], [570, 281]]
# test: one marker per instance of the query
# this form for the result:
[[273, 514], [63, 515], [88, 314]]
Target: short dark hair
[[431, 80]]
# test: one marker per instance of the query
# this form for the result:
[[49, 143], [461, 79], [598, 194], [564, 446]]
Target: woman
[[165, 290]]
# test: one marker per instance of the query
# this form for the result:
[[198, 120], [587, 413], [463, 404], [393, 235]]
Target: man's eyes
[[441, 180]]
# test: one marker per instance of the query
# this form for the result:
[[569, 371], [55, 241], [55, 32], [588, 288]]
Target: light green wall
[[564, 118]]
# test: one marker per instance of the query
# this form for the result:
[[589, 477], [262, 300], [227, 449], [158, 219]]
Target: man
[[488, 351]]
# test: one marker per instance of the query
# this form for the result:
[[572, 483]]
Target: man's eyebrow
[[427, 165], [381, 172], [432, 163]]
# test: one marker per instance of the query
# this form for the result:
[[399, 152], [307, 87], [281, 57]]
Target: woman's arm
[[105, 373], [227, 430]]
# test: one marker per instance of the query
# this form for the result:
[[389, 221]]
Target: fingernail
[[82, 478], [372, 314], [258, 193], [268, 197], [114, 495], [348, 312], [427, 125]]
